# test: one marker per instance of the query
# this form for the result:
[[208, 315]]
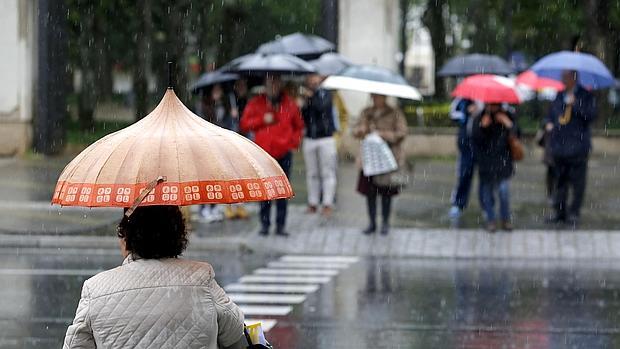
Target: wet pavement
[[371, 303], [26, 186]]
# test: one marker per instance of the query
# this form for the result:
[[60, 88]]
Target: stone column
[[17, 49]]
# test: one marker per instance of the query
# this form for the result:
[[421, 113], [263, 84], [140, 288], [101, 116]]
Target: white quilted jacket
[[149, 303]]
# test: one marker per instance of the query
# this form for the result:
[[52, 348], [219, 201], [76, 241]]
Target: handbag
[[516, 147], [397, 179], [377, 157], [260, 335]]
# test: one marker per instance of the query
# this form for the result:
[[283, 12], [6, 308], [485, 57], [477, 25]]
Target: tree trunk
[[434, 21], [87, 97], [142, 66]]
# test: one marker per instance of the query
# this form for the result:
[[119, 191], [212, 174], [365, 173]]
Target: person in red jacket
[[274, 119]]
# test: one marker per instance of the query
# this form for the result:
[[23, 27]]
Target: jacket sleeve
[[362, 128], [229, 317], [297, 126], [585, 107], [252, 119], [399, 132], [80, 334]]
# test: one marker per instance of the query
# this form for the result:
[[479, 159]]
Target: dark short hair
[[153, 232]]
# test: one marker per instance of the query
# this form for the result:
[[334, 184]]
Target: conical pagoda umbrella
[[171, 157], [304, 46]]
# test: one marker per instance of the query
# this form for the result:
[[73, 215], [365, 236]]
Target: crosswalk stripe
[[305, 265], [285, 279], [266, 310], [271, 288], [300, 272], [319, 259], [269, 298], [266, 324]]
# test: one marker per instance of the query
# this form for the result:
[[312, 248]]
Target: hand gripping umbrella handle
[[149, 188]]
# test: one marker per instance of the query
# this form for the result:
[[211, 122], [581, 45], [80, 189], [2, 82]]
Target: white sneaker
[[455, 212]]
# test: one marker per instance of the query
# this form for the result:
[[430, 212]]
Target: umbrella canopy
[[488, 89], [184, 159], [372, 79], [261, 64], [475, 63], [212, 78], [330, 63], [592, 72], [301, 45], [530, 80]]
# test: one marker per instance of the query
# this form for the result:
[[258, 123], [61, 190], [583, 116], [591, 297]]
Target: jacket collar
[[130, 258]]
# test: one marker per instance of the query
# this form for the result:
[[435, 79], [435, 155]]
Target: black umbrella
[[475, 63], [261, 64], [211, 78], [304, 46], [331, 63]]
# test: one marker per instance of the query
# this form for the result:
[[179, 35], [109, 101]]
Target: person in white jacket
[[155, 299]]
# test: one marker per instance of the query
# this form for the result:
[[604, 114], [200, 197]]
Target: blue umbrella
[[591, 71]]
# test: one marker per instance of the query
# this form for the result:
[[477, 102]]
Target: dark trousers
[[465, 174], [386, 208], [281, 204], [570, 173]]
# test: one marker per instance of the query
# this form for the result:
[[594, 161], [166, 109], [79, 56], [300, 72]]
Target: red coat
[[279, 137]]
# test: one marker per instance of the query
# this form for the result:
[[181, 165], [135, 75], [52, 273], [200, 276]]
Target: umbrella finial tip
[[170, 76]]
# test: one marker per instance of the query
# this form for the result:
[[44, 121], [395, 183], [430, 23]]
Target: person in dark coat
[[319, 146], [569, 120], [490, 132], [463, 111]]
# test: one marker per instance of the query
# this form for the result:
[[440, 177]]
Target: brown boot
[[506, 226], [491, 227], [327, 211]]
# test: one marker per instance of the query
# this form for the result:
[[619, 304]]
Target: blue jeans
[[487, 198], [281, 204], [465, 174]]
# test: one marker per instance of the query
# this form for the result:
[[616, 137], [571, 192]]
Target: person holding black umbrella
[[568, 122], [276, 122]]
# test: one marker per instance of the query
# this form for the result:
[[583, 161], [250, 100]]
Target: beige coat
[[149, 303], [391, 125]]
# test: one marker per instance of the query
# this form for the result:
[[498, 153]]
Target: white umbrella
[[369, 86]]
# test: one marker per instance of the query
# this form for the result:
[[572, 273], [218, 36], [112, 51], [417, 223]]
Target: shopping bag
[[377, 157], [256, 337]]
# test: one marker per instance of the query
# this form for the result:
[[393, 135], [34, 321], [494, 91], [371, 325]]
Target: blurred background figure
[[568, 122], [463, 111], [319, 146], [275, 120], [490, 132], [390, 123]]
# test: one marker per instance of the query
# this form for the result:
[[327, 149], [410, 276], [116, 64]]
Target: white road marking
[[284, 279], [50, 272], [271, 288], [305, 265], [299, 272], [266, 310], [319, 259], [269, 298], [266, 324]]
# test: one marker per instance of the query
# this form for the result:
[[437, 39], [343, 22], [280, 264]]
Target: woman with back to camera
[[155, 299]]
